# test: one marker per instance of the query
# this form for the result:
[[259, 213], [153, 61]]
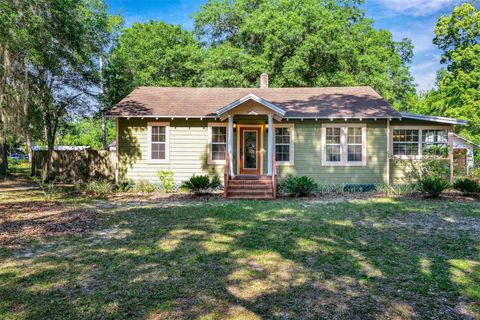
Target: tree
[[61, 41], [458, 94], [458, 85], [151, 54], [306, 43], [86, 132]]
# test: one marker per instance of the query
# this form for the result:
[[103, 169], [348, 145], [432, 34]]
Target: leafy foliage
[[299, 43], [299, 186], [434, 185], [304, 43], [202, 184], [99, 188], [405, 189], [86, 132], [124, 186], [429, 166], [458, 92], [152, 54], [166, 180], [144, 186], [467, 186]]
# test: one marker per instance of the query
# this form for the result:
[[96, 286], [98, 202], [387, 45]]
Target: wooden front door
[[250, 148]]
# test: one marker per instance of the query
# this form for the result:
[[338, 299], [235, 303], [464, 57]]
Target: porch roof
[[326, 102]]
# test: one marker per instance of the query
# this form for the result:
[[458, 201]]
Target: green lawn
[[365, 259]]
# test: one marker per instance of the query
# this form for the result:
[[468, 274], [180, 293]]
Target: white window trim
[[210, 133], [420, 139], [291, 126], [343, 145], [149, 142]]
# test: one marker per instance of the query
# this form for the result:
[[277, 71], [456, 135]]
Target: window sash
[[357, 147], [333, 144], [344, 145], [282, 144], [413, 142], [158, 142], [218, 143]]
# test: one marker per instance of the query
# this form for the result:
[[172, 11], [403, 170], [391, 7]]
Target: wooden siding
[[398, 168], [189, 151], [308, 155]]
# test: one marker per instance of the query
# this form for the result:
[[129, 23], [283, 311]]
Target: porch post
[[270, 144], [230, 143]]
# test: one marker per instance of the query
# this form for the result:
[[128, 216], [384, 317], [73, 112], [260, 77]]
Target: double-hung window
[[415, 142], [283, 139], [435, 142], [405, 142], [217, 143], [158, 142], [344, 144]]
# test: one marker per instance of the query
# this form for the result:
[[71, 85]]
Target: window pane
[[354, 136], [402, 135], [158, 151], [158, 134], [333, 153], [333, 135], [407, 149], [219, 151], [219, 134], [282, 135], [435, 136], [354, 153], [282, 153]]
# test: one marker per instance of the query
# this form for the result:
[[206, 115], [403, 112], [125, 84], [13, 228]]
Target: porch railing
[[226, 175], [274, 176]]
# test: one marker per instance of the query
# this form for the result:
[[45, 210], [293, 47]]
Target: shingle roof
[[326, 102]]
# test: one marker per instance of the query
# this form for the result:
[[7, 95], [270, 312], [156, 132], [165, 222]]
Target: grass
[[364, 259]]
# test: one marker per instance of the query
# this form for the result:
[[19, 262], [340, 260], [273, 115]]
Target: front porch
[[250, 170]]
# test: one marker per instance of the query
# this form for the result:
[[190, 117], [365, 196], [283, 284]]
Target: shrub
[[144, 186], [429, 166], [99, 188], [202, 184], [166, 180], [299, 186], [467, 186], [405, 189], [330, 188], [434, 186], [124, 186]]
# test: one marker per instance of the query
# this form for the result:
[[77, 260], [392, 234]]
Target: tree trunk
[[3, 155], [104, 132], [28, 144]]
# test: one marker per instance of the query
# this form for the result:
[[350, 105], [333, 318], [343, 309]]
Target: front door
[[250, 150]]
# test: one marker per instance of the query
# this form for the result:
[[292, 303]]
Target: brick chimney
[[264, 80]]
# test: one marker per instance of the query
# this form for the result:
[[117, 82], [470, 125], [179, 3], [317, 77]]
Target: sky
[[413, 19]]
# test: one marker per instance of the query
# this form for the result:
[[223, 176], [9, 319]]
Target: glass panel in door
[[250, 149]]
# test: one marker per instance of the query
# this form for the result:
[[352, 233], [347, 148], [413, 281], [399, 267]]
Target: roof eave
[[413, 116], [279, 112]]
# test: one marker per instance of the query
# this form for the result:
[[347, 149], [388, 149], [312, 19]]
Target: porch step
[[243, 186], [255, 177], [249, 197], [250, 187]]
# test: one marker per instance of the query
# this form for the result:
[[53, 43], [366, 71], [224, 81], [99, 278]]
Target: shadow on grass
[[271, 260]]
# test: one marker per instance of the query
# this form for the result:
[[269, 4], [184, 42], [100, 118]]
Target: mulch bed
[[21, 222]]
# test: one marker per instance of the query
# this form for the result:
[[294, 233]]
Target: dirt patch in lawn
[[22, 222]]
